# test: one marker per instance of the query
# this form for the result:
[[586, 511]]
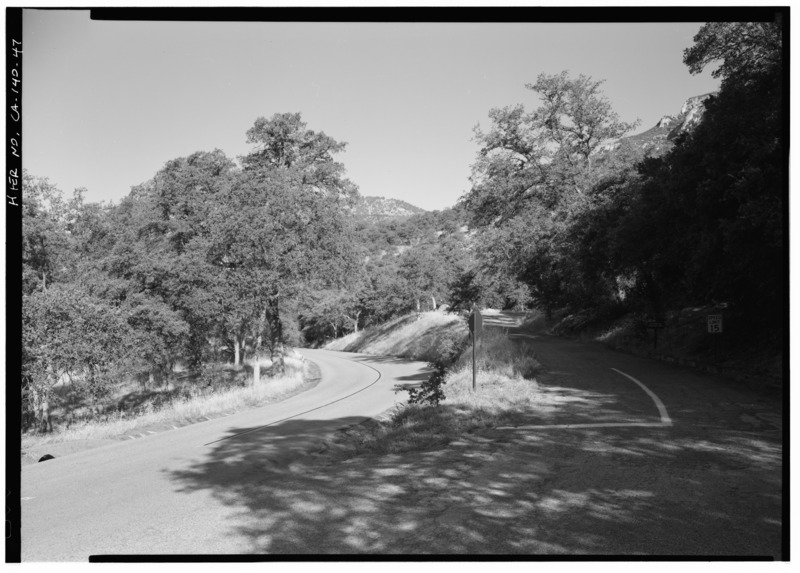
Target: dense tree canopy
[[532, 179], [544, 156], [203, 257], [284, 143], [586, 225], [744, 50]]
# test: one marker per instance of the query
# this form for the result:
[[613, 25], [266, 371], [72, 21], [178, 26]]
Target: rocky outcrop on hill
[[659, 138], [692, 114]]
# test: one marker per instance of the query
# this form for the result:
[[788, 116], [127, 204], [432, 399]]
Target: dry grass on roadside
[[418, 337], [186, 410], [506, 388]]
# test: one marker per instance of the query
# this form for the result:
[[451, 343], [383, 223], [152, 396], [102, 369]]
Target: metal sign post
[[475, 325], [655, 326]]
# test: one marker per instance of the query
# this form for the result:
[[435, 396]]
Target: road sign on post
[[475, 326], [715, 327], [475, 321]]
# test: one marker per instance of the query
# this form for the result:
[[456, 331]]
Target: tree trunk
[[257, 352], [277, 349], [34, 407], [47, 424], [160, 374], [41, 406], [433, 302], [236, 351]]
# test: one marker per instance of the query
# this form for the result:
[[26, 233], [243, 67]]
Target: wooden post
[[474, 381], [475, 323]]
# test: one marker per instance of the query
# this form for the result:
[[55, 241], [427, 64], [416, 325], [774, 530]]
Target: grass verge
[[185, 410], [506, 391]]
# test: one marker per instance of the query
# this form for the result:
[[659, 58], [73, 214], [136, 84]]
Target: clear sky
[[106, 104]]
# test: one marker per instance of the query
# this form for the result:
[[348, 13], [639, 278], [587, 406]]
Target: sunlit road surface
[[130, 498]]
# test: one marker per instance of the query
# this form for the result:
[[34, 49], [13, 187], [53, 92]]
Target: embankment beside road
[[507, 388], [682, 338], [424, 336]]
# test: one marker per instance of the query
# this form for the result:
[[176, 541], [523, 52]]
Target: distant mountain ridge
[[381, 207]]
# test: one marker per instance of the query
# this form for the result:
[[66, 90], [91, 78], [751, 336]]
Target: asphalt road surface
[[638, 457], [620, 455], [128, 498]]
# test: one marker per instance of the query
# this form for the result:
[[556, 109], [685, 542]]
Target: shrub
[[448, 348]]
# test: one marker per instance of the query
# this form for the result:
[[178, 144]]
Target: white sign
[[715, 323]]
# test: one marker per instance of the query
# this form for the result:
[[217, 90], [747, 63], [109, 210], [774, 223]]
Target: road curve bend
[[175, 492]]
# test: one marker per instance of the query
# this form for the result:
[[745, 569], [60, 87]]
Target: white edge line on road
[[662, 410], [665, 419], [598, 425]]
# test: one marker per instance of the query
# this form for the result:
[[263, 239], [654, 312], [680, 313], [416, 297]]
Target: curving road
[[620, 455], [131, 498]]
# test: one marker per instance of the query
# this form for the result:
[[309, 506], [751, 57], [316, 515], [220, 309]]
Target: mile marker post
[[475, 325]]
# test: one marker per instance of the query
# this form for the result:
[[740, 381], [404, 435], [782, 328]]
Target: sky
[[107, 104]]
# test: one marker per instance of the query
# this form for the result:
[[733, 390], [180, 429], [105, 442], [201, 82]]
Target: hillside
[[393, 235], [371, 207], [424, 337]]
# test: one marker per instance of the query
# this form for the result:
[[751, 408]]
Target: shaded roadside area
[[708, 483], [610, 491], [152, 412]]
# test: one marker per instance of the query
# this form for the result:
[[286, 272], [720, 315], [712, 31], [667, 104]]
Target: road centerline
[[250, 431]]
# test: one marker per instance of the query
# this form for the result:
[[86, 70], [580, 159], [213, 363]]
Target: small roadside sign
[[475, 321], [715, 324]]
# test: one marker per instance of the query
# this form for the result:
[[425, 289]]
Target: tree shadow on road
[[617, 491]]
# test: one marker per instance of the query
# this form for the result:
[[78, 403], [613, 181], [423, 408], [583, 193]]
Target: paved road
[[130, 497], [620, 456], [593, 469], [640, 457]]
